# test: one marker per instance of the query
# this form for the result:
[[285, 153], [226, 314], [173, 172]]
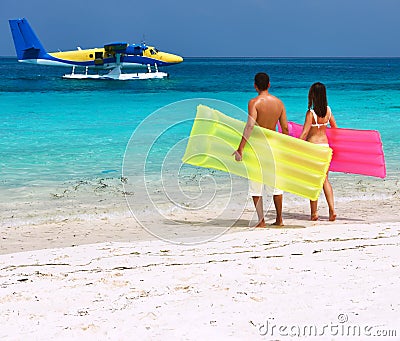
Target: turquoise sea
[[54, 130]]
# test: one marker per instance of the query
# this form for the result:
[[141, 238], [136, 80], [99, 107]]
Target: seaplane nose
[[170, 58], [178, 59]]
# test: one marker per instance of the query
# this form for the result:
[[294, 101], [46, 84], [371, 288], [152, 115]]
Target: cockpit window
[[153, 52]]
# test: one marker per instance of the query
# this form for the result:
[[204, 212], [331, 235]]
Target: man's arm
[[251, 121], [283, 121]]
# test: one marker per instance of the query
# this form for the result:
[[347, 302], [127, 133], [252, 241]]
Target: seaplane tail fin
[[27, 44]]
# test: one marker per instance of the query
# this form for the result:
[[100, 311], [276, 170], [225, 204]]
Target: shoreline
[[116, 223]]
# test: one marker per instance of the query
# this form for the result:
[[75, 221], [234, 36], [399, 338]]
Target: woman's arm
[[306, 126], [332, 121]]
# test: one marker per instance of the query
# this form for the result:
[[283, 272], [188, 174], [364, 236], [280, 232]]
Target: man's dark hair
[[261, 80]]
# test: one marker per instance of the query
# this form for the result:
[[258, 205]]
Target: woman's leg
[[328, 191]]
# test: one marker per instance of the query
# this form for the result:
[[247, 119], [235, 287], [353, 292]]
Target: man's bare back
[[268, 110]]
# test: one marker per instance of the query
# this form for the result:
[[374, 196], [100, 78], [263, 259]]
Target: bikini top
[[315, 118]]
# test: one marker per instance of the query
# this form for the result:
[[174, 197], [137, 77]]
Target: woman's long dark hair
[[317, 99]]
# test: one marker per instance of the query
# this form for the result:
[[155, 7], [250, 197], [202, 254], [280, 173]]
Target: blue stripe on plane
[[143, 60], [124, 59]]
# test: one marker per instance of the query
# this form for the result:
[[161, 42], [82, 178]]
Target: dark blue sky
[[261, 28]]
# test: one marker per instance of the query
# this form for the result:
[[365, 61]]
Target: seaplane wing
[[113, 56]]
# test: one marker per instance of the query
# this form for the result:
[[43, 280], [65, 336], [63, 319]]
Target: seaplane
[[111, 57]]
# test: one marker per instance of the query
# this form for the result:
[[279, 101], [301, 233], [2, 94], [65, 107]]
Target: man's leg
[[258, 203], [314, 210], [278, 202], [256, 191]]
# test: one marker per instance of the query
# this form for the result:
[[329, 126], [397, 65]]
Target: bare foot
[[261, 224], [332, 216], [276, 223], [314, 217]]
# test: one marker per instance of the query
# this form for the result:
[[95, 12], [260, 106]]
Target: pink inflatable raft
[[354, 151]]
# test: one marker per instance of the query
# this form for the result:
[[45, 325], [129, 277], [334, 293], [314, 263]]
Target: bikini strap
[[315, 119]]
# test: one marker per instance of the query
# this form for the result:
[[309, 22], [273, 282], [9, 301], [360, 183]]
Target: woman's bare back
[[317, 132]]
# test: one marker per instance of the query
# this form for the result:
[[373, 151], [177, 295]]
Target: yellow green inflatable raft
[[274, 159]]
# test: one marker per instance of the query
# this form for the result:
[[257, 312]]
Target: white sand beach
[[101, 276]]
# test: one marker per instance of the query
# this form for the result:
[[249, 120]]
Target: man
[[265, 110]]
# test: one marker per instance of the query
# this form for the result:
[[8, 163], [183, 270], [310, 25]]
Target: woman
[[318, 116]]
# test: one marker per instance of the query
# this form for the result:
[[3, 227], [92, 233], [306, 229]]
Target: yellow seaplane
[[112, 57]]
